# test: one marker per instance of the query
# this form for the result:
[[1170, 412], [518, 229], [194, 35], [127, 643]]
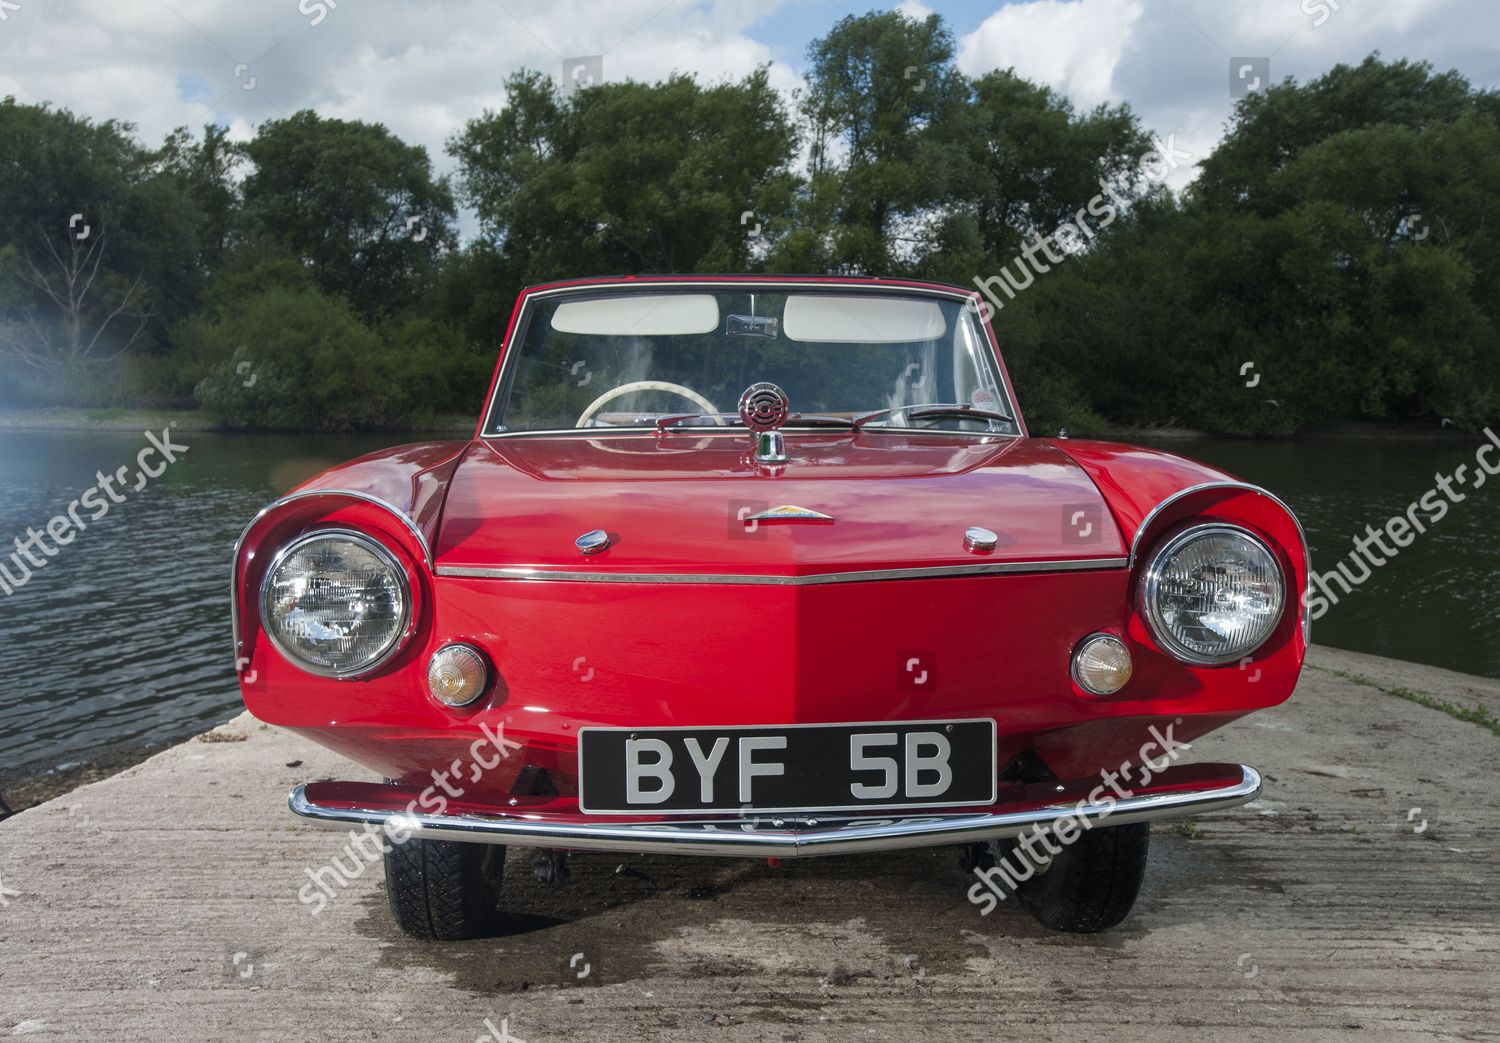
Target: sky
[[423, 67]]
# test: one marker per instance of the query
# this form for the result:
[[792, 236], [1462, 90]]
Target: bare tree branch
[[124, 303], [55, 344]]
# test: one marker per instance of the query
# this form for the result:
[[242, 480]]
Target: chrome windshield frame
[[978, 346]]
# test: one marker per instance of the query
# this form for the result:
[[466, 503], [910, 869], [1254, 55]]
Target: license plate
[[800, 767]]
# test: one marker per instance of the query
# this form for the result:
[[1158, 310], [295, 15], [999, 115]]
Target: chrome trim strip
[[239, 544], [738, 837], [818, 283], [737, 432], [813, 580]]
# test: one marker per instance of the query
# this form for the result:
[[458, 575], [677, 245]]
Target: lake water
[[122, 639]]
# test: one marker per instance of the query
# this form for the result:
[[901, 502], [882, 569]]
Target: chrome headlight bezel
[[386, 557], [1150, 583]]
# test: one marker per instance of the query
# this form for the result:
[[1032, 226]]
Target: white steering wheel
[[649, 385]]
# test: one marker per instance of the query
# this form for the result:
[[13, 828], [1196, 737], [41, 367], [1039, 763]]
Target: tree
[[54, 164], [205, 171], [1024, 163], [355, 204], [881, 89], [84, 305], [1361, 253], [1271, 128], [72, 309], [629, 177]]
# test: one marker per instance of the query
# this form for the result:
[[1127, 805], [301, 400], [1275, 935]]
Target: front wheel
[[444, 890], [1092, 884]]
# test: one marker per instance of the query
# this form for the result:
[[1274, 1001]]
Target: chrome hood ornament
[[763, 409]]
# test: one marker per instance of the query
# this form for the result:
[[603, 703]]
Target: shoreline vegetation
[[64, 418], [1332, 258]]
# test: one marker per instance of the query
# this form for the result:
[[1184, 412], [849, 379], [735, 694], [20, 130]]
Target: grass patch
[[1186, 827], [1479, 714]]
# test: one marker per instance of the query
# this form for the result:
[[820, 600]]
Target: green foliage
[[1340, 240], [57, 164], [1024, 163], [1271, 128], [356, 205], [1477, 714], [78, 197], [440, 368], [628, 177], [1343, 256], [883, 91], [1337, 239], [298, 360], [474, 291]]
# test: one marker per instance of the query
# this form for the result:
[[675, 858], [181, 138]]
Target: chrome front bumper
[[556, 823]]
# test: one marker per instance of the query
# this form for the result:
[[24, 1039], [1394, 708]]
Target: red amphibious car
[[766, 567]]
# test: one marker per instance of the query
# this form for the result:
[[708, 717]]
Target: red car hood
[[681, 502]]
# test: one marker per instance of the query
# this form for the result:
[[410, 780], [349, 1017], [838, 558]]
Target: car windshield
[[622, 359]]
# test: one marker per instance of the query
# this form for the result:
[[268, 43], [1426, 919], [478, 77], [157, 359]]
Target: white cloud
[[1071, 45], [422, 67], [1171, 61]]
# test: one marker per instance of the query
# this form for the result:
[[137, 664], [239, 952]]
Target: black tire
[[1093, 883], [444, 890]]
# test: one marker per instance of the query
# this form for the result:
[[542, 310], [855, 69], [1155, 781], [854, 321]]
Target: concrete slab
[[1356, 900]]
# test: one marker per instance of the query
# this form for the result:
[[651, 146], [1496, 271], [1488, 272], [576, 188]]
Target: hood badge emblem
[[763, 409], [789, 512]]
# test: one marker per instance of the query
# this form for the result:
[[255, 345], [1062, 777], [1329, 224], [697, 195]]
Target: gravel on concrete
[[1358, 899]]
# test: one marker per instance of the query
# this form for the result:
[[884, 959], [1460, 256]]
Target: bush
[[295, 359], [453, 374]]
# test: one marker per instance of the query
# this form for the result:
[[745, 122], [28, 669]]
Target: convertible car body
[[766, 567]]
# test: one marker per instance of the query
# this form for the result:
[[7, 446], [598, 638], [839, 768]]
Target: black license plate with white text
[[823, 767]]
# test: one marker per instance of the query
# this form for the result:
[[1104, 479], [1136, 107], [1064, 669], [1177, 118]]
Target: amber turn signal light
[[1101, 664], [457, 675]]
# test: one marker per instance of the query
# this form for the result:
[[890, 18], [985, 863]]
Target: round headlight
[[335, 603], [1212, 594]]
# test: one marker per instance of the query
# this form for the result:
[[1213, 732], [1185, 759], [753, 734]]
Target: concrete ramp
[[1358, 899]]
